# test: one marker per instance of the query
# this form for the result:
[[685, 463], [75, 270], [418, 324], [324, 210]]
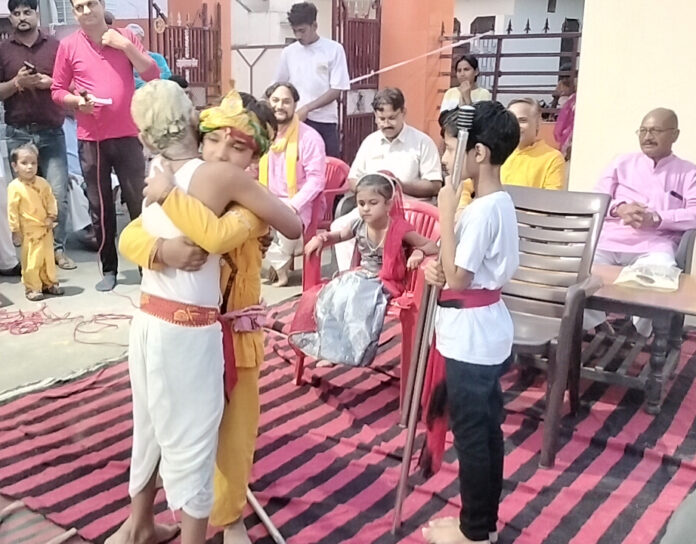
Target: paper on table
[[654, 277]]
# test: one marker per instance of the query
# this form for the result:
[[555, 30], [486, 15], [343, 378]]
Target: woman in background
[[467, 71]]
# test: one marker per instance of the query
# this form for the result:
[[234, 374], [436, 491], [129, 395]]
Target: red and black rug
[[329, 453]]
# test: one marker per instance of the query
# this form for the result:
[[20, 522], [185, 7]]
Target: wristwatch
[[656, 219]]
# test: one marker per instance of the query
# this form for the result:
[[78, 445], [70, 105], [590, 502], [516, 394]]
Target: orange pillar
[[409, 29], [188, 9]]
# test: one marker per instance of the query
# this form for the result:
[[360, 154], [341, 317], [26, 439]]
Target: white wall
[[266, 28], [132, 9], [122, 9], [467, 10], [517, 12], [623, 41]]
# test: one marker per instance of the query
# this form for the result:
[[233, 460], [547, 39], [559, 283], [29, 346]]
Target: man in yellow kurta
[[534, 163], [32, 211]]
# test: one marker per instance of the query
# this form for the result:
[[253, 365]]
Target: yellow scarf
[[286, 144]]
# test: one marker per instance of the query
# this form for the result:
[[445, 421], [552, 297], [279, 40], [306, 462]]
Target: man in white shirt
[[317, 68], [406, 152]]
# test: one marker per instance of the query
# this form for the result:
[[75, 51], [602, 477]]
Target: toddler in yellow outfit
[[32, 212]]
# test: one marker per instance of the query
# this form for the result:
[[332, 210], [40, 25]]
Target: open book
[[657, 277]]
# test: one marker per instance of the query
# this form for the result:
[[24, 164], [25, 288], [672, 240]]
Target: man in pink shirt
[[653, 200], [93, 74], [294, 170]]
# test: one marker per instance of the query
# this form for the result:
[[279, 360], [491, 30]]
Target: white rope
[[408, 61]]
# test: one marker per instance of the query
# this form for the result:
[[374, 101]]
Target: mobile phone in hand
[[29, 66]]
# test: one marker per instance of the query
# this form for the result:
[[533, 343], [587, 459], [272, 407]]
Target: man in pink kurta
[[653, 200], [93, 74], [310, 172]]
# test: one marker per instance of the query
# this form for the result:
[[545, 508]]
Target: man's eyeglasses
[[642, 131]]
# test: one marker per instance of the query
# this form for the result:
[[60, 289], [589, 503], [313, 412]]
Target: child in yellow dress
[[32, 212]]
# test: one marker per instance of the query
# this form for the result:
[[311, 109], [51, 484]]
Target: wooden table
[[667, 311]]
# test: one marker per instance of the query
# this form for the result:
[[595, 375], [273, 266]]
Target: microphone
[[464, 120]]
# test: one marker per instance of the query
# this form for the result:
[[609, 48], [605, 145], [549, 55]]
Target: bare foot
[[452, 521], [444, 522], [323, 363], [281, 277], [124, 535], [236, 533], [446, 531]]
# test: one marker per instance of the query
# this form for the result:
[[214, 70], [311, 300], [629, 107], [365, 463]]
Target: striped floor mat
[[329, 452]]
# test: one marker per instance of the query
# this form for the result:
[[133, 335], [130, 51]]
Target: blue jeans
[[475, 402], [53, 165]]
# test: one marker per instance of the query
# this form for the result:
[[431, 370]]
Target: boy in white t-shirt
[[474, 331], [318, 69]]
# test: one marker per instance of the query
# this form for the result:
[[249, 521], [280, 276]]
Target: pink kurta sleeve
[[681, 219], [607, 184], [313, 160]]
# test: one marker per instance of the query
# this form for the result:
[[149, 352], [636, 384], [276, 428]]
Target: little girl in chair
[[341, 321]]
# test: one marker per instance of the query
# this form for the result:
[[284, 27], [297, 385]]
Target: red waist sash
[[468, 298], [190, 315]]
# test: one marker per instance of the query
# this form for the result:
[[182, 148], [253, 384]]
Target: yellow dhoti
[[236, 444], [38, 263], [236, 234]]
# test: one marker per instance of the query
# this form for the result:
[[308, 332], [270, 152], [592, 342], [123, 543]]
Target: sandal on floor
[[63, 261], [54, 290], [35, 296]]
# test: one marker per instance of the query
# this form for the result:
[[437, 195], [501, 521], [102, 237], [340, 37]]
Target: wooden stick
[[415, 354], [265, 519], [67, 535], [10, 509], [423, 352]]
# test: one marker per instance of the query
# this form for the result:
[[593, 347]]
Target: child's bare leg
[[192, 529], [282, 275], [236, 533], [140, 526]]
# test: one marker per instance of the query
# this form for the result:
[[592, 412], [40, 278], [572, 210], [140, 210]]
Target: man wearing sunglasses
[[93, 75]]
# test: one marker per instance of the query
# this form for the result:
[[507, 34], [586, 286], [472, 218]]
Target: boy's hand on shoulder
[[434, 274], [159, 183]]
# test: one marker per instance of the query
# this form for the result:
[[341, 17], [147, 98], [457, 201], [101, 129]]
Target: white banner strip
[[408, 61]]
